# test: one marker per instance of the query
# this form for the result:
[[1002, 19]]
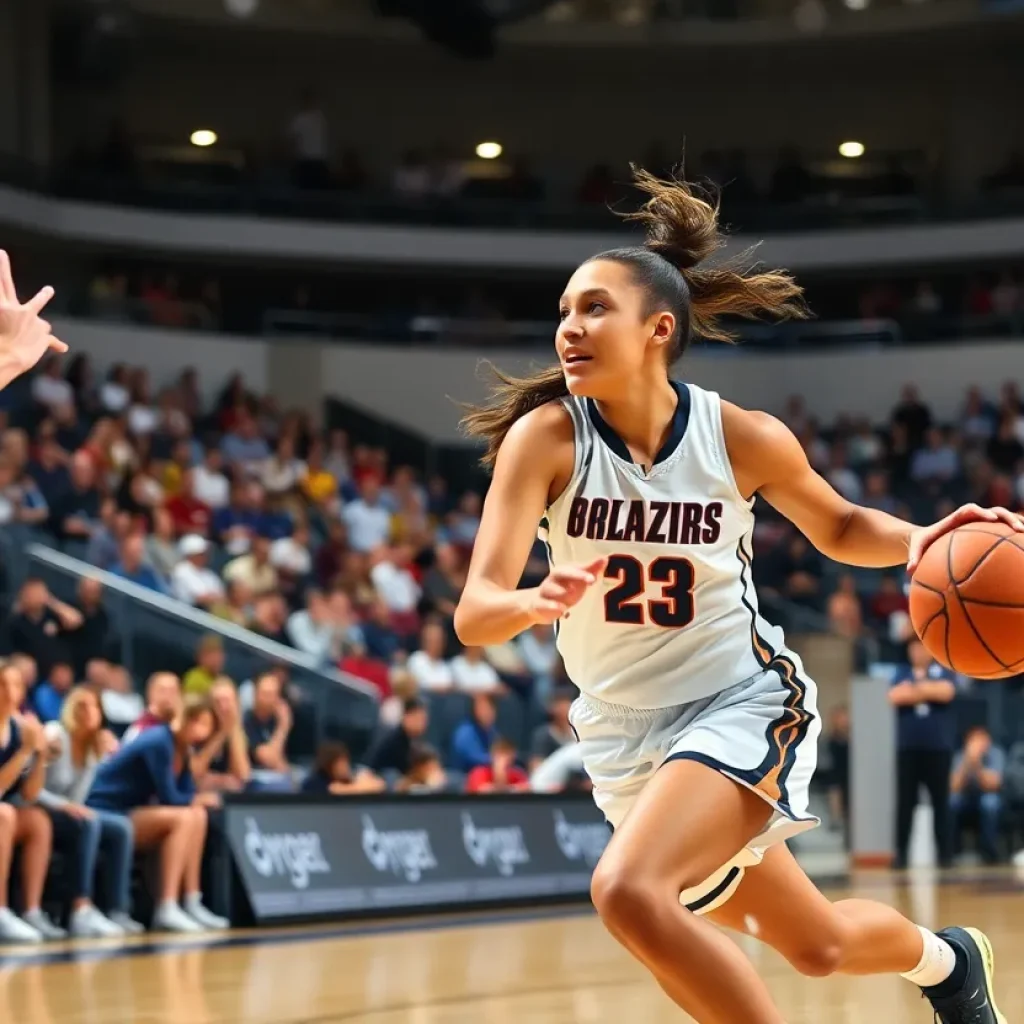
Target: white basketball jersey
[[675, 619]]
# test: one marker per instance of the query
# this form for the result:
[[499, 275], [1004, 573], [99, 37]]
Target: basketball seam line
[[977, 565], [991, 604], [938, 615], [928, 587], [974, 629]]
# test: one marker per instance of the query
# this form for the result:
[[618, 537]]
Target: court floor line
[[162, 945]]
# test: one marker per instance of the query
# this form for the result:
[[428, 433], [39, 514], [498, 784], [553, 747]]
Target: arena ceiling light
[[851, 150], [489, 150], [203, 137]]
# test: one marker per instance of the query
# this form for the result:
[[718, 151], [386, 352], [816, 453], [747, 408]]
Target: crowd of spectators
[[264, 522]]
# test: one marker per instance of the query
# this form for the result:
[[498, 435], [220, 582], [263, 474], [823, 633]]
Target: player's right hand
[[564, 587]]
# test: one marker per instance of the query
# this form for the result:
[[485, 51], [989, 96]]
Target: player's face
[[605, 336]]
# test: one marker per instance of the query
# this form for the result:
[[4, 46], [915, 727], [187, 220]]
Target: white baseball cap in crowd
[[192, 544]]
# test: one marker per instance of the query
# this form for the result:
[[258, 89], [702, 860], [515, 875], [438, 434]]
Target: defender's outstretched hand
[[24, 335]]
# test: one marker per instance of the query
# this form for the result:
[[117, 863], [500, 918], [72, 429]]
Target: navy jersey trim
[[680, 420]]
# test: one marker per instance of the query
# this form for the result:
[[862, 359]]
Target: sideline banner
[[349, 856]]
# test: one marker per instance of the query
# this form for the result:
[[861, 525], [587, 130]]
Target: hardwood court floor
[[541, 970]]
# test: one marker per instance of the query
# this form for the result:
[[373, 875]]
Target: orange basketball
[[967, 600]]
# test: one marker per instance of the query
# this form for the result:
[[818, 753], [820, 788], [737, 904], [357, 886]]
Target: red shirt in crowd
[[481, 779], [190, 515]]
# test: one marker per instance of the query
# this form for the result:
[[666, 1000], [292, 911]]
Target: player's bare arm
[[767, 459], [533, 467]]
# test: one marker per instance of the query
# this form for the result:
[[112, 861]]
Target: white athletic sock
[[937, 961]]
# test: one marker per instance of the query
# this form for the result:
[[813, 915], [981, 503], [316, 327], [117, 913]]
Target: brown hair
[[681, 222]]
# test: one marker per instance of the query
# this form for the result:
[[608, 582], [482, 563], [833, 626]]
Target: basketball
[[967, 600]]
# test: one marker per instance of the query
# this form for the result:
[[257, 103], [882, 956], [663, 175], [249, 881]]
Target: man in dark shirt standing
[[922, 694], [75, 514], [91, 639], [39, 625], [392, 751]]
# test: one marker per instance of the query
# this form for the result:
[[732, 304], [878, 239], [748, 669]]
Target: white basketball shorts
[[762, 733]]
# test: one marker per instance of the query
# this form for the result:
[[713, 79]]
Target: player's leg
[[778, 903], [686, 823]]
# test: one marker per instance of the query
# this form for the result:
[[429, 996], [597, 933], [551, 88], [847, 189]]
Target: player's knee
[[622, 899], [817, 959]]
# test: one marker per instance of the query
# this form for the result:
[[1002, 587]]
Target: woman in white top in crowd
[[428, 665], [77, 744], [474, 674]]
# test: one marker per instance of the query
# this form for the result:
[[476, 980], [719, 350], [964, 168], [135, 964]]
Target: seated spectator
[[975, 789], [150, 782], [937, 461], [23, 681], [291, 556], [379, 637], [104, 548], [243, 447], [393, 750], [192, 581], [199, 680], [121, 704], [40, 625], [269, 617], [282, 472], [794, 571], [502, 775], [556, 733], [428, 665], [330, 556], [161, 545], [367, 519], [334, 775], [318, 484], [163, 702], [844, 610], [254, 568], [22, 824], [209, 484], [236, 605], [49, 388], [540, 656], [426, 773], [48, 695], [472, 673], [77, 744], [472, 741], [188, 513], [76, 512], [396, 586], [267, 725], [222, 763], [132, 565]]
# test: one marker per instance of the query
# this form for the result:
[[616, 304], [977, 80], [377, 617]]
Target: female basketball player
[[696, 723]]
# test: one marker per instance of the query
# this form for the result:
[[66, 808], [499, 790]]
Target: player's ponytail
[[511, 399], [681, 222]]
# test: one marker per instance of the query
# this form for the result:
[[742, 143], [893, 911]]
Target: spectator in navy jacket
[[150, 781], [472, 742]]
